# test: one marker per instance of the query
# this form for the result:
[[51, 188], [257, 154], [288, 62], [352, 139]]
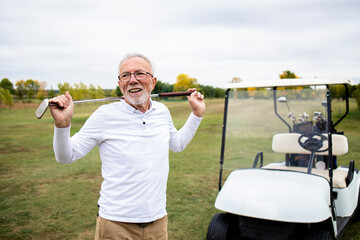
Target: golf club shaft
[[40, 111], [167, 94], [91, 100]]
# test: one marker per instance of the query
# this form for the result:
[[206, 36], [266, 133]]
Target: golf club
[[284, 100], [40, 111], [324, 104], [318, 117], [303, 118], [292, 117], [291, 114]]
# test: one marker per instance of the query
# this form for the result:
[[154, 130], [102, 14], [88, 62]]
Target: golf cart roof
[[289, 82]]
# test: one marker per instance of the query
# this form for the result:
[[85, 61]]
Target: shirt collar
[[131, 109]]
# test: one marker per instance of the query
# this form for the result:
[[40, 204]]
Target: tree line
[[26, 90], [34, 89]]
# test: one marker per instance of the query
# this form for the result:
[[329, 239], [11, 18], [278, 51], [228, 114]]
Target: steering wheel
[[312, 141]]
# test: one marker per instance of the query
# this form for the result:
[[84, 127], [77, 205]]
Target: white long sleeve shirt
[[134, 150]]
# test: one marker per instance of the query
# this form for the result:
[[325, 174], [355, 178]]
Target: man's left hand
[[197, 103]]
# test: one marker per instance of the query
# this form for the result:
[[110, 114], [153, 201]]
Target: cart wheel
[[218, 227], [318, 234]]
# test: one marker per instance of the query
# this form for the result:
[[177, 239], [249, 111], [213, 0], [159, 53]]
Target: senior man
[[134, 137]]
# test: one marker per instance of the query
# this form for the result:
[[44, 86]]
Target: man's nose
[[133, 79]]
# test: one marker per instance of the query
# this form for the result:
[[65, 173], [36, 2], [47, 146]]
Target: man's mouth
[[134, 90]]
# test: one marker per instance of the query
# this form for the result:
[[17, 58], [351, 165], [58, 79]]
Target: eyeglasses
[[139, 75]]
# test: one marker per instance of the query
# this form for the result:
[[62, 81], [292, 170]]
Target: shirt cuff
[[62, 131], [192, 115]]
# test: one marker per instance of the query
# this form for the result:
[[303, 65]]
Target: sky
[[75, 41]]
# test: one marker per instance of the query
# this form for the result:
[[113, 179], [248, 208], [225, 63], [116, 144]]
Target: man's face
[[137, 92]]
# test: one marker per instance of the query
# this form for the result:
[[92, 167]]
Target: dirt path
[[18, 105]]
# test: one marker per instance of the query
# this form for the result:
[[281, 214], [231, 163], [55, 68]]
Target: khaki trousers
[[106, 229]]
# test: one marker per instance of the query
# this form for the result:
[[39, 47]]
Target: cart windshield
[[255, 115]]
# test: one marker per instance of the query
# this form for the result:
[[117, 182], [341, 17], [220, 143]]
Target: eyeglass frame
[[133, 73]]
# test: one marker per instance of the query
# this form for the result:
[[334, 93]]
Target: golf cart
[[285, 164]]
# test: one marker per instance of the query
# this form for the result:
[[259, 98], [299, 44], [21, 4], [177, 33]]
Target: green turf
[[41, 199]]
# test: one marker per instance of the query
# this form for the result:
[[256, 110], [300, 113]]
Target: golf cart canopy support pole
[[331, 162], [223, 136]]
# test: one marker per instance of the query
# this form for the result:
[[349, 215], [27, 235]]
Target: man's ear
[[153, 82], [120, 87]]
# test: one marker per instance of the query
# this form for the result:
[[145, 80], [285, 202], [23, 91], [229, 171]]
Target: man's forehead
[[135, 63]]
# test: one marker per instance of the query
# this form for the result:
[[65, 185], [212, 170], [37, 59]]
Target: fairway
[[41, 199]]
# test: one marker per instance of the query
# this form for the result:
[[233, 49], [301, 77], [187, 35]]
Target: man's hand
[[196, 100], [62, 114]]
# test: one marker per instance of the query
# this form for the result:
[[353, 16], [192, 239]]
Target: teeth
[[134, 90]]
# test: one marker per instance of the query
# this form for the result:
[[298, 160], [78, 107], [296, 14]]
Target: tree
[[337, 91], [251, 91], [41, 94], [236, 80], [356, 95], [287, 74], [184, 82], [6, 84], [96, 92], [211, 92], [118, 91], [51, 93], [2, 97], [163, 87], [79, 91], [113, 93], [100, 92], [63, 87], [20, 89], [92, 92], [7, 97], [32, 87]]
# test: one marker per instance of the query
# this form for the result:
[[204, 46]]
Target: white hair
[[132, 55]]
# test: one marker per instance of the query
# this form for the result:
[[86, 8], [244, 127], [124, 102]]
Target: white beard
[[138, 102]]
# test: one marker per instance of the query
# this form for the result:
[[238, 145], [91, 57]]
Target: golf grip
[[175, 94]]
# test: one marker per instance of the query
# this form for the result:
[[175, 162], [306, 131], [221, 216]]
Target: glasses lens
[[125, 76], [140, 75]]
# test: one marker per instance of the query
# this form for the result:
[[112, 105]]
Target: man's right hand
[[62, 114]]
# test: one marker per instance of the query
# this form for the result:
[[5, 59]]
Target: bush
[[356, 95]]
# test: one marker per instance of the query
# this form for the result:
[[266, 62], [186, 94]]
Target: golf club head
[[324, 104], [281, 99], [317, 114], [40, 111]]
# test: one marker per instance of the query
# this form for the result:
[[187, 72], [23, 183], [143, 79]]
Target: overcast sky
[[83, 41]]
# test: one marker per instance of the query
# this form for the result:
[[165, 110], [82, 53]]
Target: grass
[[41, 199]]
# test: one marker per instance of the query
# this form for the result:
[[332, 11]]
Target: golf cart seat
[[288, 143]]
